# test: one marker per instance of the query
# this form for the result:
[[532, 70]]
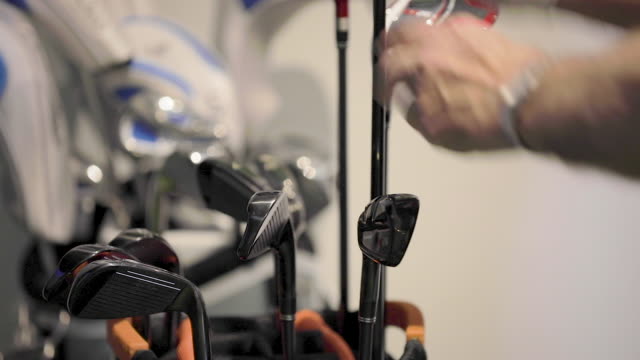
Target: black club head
[[385, 227], [281, 178], [111, 289], [228, 187], [57, 287], [268, 219], [149, 248]]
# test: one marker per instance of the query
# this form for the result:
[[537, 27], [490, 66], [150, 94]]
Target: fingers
[[397, 64], [407, 31], [466, 19]]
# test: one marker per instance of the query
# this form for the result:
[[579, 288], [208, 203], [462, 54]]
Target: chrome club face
[[174, 118]]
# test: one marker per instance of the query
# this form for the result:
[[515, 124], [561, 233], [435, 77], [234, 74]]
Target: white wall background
[[515, 256]]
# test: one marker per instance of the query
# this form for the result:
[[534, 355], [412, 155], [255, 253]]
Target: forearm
[[588, 110], [620, 12]]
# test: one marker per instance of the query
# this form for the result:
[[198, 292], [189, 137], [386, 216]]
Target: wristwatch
[[514, 94]]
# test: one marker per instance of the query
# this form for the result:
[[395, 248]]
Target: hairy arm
[[588, 110]]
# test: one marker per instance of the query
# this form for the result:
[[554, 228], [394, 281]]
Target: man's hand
[[454, 71], [584, 110]]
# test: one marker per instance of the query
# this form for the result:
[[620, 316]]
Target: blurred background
[[514, 255]]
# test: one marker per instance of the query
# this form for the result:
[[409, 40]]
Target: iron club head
[[269, 227], [268, 219], [119, 288], [386, 226], [57, 287], [148, 247], [228, 187]]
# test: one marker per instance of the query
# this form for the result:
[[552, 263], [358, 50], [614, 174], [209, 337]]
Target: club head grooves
[[112, 289]]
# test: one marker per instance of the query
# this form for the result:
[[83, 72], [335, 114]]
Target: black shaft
[[288, 333], [199, 326], [213, 266], [286, 289], [365, 334], [342, 180], [379, 120], [367, 313]]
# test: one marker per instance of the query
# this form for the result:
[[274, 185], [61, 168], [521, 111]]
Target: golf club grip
[[309, 320], [414, 350], [407, 317], [124, 340]]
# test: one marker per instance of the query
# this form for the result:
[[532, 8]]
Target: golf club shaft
[[342, 38], [369, 293], [379, 132], [199, 327], [288, 335], [286, 288]]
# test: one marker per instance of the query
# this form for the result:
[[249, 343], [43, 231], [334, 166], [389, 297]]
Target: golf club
[[414, 350], [379, 136], [269, 228], [119, 288], [173, 117], [150, 248], [228, 187], [58, 285], [281, 178], [384, 232], [342, 38]]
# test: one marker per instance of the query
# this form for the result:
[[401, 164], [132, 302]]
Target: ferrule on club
[[368, 320]]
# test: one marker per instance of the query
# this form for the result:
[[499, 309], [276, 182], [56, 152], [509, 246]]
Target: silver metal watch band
[[515, 93]]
